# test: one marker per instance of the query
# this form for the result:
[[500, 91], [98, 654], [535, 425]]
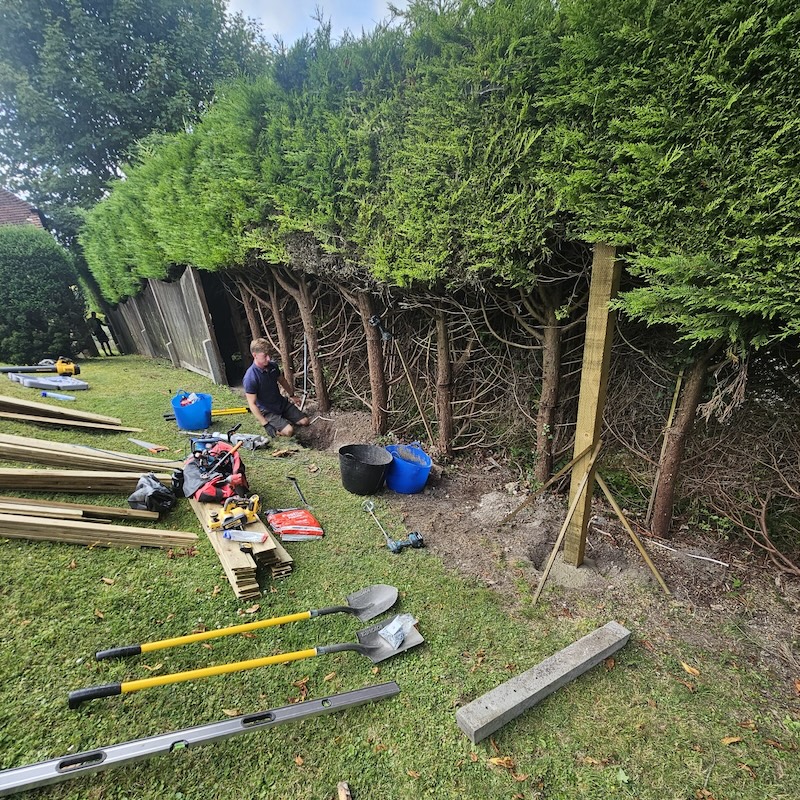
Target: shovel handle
[[126, 687], [163, 644], [94, 693]]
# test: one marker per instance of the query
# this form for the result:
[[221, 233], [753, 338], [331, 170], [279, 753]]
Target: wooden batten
[[87, 511], [98, 534], [72, 423], [60, 411], [72, 480]]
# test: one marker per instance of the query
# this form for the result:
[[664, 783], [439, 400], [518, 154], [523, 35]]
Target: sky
[[290, 19]]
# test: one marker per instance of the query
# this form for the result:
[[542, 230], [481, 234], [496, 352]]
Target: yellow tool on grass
[[236, 513]]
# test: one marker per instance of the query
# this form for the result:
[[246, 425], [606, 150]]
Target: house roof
[[14, 211]]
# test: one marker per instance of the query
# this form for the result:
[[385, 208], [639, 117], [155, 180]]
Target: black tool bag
[[152, 495]]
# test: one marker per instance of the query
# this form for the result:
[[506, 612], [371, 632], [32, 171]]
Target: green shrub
[[41, 313]]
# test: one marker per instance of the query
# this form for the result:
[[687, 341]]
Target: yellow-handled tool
[[365, 604], [371, 644]]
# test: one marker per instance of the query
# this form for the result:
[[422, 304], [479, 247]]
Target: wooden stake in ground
[[640, 547], [576, 498], [531, 497]]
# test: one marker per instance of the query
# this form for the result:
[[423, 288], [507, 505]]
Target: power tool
[[236, 513], [414, 540], [63, 366]]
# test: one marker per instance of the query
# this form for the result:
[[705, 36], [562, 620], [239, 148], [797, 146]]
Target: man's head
[[260, 350]]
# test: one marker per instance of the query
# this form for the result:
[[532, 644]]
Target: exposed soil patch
[[716, 585]]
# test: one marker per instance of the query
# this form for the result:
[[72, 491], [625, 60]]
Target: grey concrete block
[[488, 713]]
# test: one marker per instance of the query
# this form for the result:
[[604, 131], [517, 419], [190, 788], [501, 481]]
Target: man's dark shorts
[[277, 422]]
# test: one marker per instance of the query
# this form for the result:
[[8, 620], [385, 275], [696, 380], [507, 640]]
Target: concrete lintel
[[488, 713]]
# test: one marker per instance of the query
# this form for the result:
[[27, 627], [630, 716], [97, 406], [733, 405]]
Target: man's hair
[[260, 345]]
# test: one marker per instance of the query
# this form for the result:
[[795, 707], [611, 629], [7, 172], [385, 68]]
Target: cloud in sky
[[290, 19]]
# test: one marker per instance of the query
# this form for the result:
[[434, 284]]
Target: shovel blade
[[371, 601], [377, 649]]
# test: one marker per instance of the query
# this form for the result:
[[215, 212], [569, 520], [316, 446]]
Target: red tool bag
[[224, 478], [294, 524]]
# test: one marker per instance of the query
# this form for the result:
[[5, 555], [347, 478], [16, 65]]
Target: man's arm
[[287, 387], [256, 411]]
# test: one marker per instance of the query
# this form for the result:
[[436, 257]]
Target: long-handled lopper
[[370, 644], [365, 604]]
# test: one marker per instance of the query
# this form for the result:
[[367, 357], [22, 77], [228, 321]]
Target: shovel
[[365, 604], [370, 644]]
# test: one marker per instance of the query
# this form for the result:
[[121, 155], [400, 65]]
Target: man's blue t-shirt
[[263, 383]]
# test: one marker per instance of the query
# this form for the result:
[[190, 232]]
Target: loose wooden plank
[[92, 533], [72, 480], [113, 512], [85, 458], [67, 422], [61, 411]]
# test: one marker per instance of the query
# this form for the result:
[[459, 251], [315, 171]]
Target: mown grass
[[642, 728]]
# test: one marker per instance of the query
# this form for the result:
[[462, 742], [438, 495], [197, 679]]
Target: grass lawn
[[640, 727]]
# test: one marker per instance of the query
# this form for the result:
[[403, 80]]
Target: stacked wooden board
[[89, 532], [46, 414], [60, 454], [96, 471], [239, 562]]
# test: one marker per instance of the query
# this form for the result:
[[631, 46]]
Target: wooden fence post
[[594, 380]]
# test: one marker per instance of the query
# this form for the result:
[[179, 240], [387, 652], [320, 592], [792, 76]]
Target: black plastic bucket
[[363, 467]]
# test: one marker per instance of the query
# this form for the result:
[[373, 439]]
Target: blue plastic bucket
[[409, 470], [195, 416]]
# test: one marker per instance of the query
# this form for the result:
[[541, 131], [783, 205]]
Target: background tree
[[81, 80], [42, 313]]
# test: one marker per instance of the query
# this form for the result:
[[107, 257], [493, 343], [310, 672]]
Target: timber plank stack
[[73, 480], [92, 533], [240, 565], [45, 414], [61, 454], [87, 511]]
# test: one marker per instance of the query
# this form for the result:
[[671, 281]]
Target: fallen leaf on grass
[[502, 761], [298, 760], [153, 668], [748, 724], [99, 614], [519, 777], [312, 468], [773, 743], [251, 609], [72, 564], [215, 591], [411, 773], [647, 645], [493, 743], [108, 581], [473, 757], [330, 676], [248, 635], [207, 646], [690, 670], [231, 712], [731, 740], [704, 794], [746, 768], [609, 664], [689, 686], [380, 748], [797, 685]]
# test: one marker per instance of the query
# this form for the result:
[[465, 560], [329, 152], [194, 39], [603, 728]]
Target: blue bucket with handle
[[194, 415], [409, 470]]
